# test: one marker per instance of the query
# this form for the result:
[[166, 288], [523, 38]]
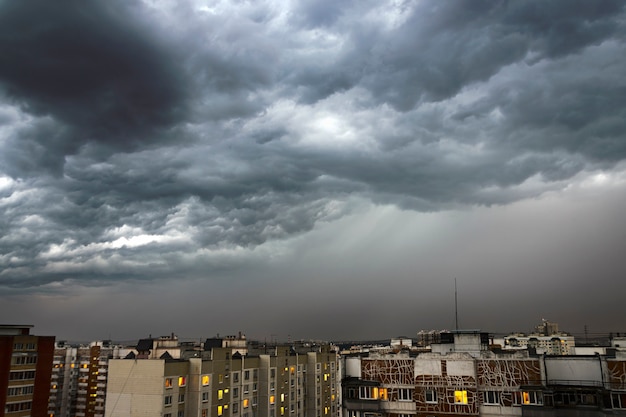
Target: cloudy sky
[[311, 168]]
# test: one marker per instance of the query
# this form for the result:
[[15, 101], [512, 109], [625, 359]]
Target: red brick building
[[25, 370]]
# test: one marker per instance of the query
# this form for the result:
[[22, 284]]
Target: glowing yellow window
[[282, 411], [246, 403], [460, 397], [182, 381], [205, 380], [292, 370], [220, 394], [282, 398], [272, 399], [168, 382], [220, 410], [382, 393]]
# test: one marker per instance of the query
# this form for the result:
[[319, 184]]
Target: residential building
[[25, 369], [79, 377], [465, 375], [229, 377]]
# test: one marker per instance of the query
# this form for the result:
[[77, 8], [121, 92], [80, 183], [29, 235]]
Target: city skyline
[[315, 169]]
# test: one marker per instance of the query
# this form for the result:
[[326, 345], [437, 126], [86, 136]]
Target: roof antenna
[[456, 310]]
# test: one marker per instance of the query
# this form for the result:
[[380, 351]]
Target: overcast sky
[[313, 168]]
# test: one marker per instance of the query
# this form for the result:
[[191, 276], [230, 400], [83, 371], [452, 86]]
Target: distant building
[[79, 378], [228, 377], [546, 339], [462, 376], [25, 369]]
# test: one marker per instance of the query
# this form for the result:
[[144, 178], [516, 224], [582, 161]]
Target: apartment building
[[463, 376], [79, 377], [227, 378], [25, 370]]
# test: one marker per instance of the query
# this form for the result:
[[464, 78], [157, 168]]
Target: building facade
[[79, 378], [462, 376], [228, 379], [25, 371]]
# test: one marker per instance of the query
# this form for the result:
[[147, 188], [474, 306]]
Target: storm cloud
[[157, 142]]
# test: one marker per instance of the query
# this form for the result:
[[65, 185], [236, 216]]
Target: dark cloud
[[147, 141]]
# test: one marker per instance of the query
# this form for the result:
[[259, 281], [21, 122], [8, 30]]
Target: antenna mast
[[456, 310]]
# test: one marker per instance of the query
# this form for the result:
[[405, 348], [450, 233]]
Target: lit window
[[532, 397], [182, 381], [246, 403], [460, 397], [282, 398], [220, 410], [220, 394], [168, 382], [220, 378], [368, 393], [272, 399], [382, 392], [205, 380], [282, 411]]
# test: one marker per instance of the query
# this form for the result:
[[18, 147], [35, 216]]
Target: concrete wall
[[135, 388], [573, 370]]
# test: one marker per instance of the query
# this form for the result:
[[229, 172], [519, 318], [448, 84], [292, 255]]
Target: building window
[[205, 412], [272, 399], [220, 410], [181, 398], [235, 392], [235, 376], [14, 407], [460, 397], [21, 375], [220, 378], [182, 381], [168, 400], [235, 408], [405, 394], [168, 382], [167, 415], [220, 394], [16, 391], [382, 393], [205, 380], [181, 413], [24, 360], [246, 375], [617, 400], [492, 397], [532, 398], [246, 389], [205, 397], [246, 403], [431, 396], [367, 393]]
